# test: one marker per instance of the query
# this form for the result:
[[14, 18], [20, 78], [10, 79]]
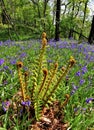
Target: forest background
[[26, 19]]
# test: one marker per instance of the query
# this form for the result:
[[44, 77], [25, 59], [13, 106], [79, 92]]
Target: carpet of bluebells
[[79, 83]]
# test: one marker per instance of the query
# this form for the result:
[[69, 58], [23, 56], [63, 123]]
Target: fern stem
[[26, 83], [25, 79], [45, 71], [66, 101], [44, 43], [22, 85], [51, 79]]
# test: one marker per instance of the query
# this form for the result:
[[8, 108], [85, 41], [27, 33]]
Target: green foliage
[[35, 18]]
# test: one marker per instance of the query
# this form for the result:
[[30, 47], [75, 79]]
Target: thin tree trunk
[[72, 17], [58, 9], [91, 35], [83, 19], [44, 11]]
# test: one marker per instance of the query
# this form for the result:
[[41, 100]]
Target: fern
[[44, 82]]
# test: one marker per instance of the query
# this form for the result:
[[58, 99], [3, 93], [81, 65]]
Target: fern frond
[[50, 79], [66, 100], [65, 71], [45, 72], [22, 84], [38, 109], [44, 82]]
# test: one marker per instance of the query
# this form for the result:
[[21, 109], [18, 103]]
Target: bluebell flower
[[88, 100], [76, 109], [23, 55], [84, 109], [74, 89], [11, 71], [1, 43], [6, 105], [78, 73], [13, 62], [25, 68], [6, 67], [26, 103], [72, 92], [84, 70], [82, 81], [1, 61]]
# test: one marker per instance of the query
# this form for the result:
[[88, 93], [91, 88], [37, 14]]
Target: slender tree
[[58, 9], [72, 17], [91, 35], [44, 11], [85, 9]]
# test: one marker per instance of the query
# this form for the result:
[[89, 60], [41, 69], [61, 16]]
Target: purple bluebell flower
[[21, 112], [82, 81], [78, 73], [25, 68], [1, 43], [5, 67], [11, 71], [26, 103], [88, 100], [23, 55], [74, 89], [1, 61], [84, 70], [13, 62], [49, 61], [6, 105], [72, 92], [84, 109], [76, 109]]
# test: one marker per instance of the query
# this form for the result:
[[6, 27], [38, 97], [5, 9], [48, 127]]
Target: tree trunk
[[4, 20], [58, 9], [70, 33], [44, 12], [71, 23], [91, 35], [86, 3]]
